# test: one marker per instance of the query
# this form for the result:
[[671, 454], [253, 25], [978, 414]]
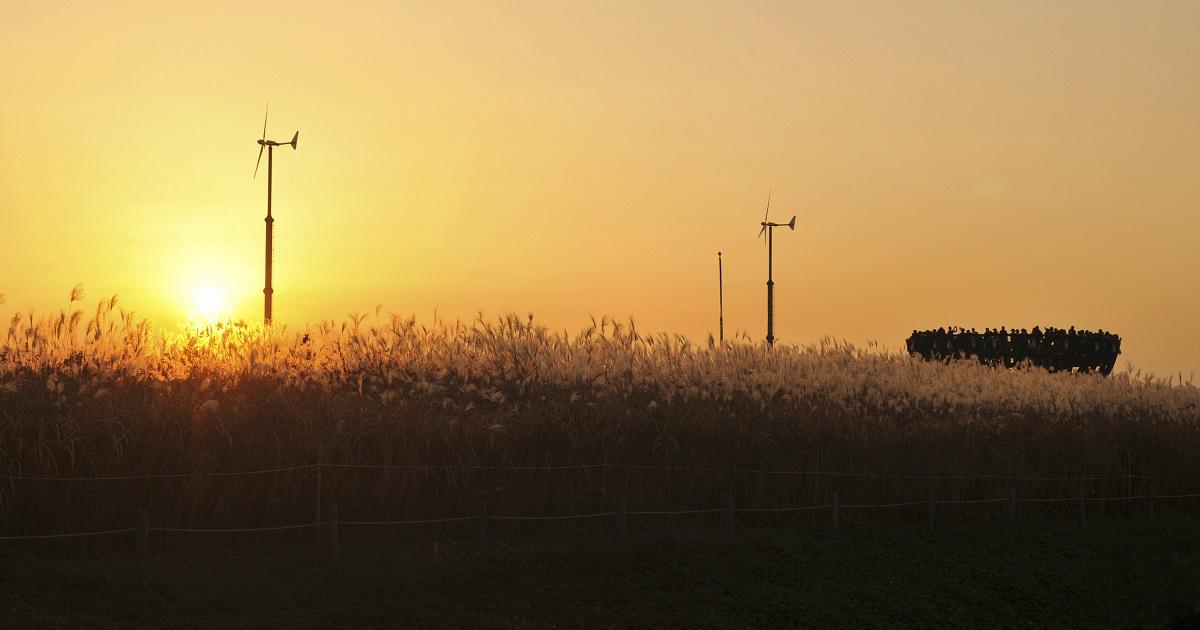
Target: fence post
[[604, 484], [143, 539], [333, 535], [816, 485], [483, 525], [622, 518], [729, 514], [835, 513], [932, 513], [1129, 485], [1082, 510], [317, 507], [1012, 505]]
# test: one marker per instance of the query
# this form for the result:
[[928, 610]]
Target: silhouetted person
[[1054, 349]]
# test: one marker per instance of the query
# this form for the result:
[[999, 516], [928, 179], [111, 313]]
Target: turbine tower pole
[[267, 290], [721, 295], [269, 145], [770, 286]]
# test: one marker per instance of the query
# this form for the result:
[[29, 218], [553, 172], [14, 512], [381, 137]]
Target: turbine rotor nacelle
[[275, 143], [790, 224]]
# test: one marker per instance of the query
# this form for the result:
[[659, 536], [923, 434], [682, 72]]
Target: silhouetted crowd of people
[[1053, 348]]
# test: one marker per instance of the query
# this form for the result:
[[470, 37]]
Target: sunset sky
[[980, 164]]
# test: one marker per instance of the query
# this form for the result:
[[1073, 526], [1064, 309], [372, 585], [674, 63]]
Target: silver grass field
[[444, 409]]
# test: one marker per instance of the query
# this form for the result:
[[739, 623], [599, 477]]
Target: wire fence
[[483, 516], [729, 509], [611, 466]]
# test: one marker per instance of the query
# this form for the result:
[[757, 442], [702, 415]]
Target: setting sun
[[209, 304]]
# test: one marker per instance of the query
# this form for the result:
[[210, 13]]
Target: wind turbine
[[269, 145], [768, 230]]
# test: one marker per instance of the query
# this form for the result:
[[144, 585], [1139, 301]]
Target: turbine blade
[[765, 214], [294, 139], [268, 111], [260, 150], [761, 232]]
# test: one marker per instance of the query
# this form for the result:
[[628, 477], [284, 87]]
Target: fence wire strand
[[883, 505], [105, 532], [567, 517], [1106, 499], [192, 530], [165, 475], [786, 509], [742, 471], [427, 521], [669, 512]]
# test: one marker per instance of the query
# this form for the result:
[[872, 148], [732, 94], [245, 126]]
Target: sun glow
[[209, 304]]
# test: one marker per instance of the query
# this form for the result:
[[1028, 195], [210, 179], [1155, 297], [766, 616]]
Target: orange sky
[[975, 163]]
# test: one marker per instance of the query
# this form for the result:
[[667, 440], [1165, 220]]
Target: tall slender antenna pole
[[721, 294], [267, 290], [770, 286]]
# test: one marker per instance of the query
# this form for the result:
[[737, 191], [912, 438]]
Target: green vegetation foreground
[[100, 394], [1116, 575]]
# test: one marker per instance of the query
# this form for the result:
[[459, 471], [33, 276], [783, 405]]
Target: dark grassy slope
[[1116, 575]]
